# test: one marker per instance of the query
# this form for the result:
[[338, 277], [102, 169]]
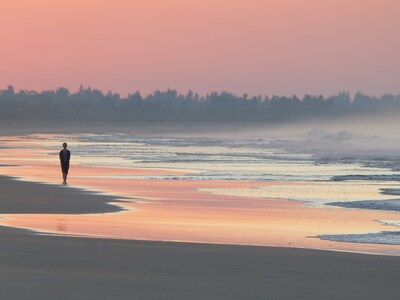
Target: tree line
[[92, 105]]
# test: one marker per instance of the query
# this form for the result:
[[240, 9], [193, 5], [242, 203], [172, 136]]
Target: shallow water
[[209, 190]]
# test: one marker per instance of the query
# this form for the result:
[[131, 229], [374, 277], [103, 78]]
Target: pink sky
[[254, 46]]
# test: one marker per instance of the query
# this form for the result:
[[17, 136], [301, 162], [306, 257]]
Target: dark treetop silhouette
[[91, 105]]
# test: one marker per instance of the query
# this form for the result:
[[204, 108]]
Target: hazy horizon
[[127, 93]]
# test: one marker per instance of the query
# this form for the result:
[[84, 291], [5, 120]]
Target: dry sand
[[49, 267]]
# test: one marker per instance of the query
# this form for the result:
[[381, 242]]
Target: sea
[[369, 182], [341, 171]]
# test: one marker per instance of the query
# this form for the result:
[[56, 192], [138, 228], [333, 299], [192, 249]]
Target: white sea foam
[[395, 223], [218, 159]]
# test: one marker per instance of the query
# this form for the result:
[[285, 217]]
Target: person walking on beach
[[65, 155]]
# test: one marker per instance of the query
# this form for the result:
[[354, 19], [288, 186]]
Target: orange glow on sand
[[176, 210]]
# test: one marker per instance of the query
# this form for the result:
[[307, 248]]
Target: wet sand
[[54, 267], [32, 198], [182, 210]]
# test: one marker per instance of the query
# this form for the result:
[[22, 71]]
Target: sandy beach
[[188, 150], [55, 267], [165, 209]]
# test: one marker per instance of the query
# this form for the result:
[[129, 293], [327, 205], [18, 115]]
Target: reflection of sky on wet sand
[[217, 211], [315, 194]]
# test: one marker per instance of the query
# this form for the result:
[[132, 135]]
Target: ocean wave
[[383, 237], [388, 205], [372, 177], [393, 192]]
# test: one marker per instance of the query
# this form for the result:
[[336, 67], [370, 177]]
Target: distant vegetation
[[91, 105]]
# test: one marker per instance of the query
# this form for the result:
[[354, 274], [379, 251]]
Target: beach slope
[[54, 267]]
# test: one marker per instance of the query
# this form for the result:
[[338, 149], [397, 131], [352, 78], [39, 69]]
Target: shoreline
[[156, 209], [64, 199], [83, 201], [107, 225]]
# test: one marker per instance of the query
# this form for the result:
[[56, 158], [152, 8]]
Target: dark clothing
[[65, 155]]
